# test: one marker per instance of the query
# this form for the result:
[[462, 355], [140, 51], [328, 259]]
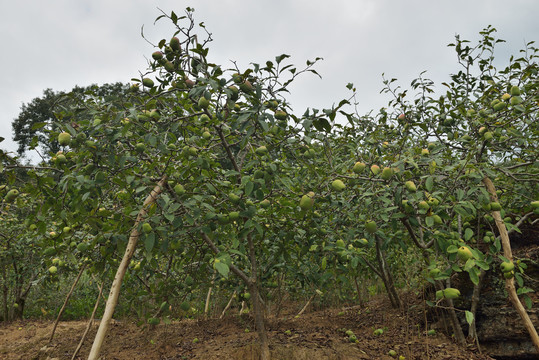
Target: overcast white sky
[[58, 44]]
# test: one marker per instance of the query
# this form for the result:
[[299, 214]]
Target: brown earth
[[315, 336]]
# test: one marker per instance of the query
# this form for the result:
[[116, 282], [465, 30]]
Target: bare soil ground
[[318, 335]]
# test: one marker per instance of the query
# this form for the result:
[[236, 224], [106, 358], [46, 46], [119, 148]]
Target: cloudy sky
[[58, 44]]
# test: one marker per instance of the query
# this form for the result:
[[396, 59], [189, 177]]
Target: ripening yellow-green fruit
[[280, 115], [175, 43], [261, 150], [371, 227], [64, 139], [387, 173], [375, 169], [515, 91], [358, 167], [507, 266], [410, 186], [464, 253], [306, 202], [451, 293], [338, 185], [147, 82], [11, 195], [146, 227]]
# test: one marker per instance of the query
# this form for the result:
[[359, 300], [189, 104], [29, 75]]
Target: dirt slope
[[313, 336]]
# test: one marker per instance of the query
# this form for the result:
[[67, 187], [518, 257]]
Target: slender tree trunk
[[228, 304], [257, 306], [387, 279], [89, 325], [208, 297], [472, 329], [5, 291], [507, 253], [120, 273], [65, 302]]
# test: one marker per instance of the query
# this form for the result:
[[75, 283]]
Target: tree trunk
[[472, 329], [507, 253], [65, 302], [18, 310], [257, 307], [120, 273], [387, 279], [5, 291]]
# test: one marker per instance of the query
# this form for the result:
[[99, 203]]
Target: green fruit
[[499, 106], [64, 139], [363, 241], [423, 205], [392, 353], [506, 97], [358, 167], [515, 91], [375, 169], [193, 151], [49, 251], [66, 230], [495, 206], [535, 204], [437, 219], [233, 197], [516, 100], [451, 293], [425, 152], [12, 195], [82, 247], [280, 115], [169, 66], [508, 274], [140, 147], [175, 43], [179, 189], [147, 82], [146, 227], [387, 173], [338, 185], [262, 150], [431, 332], [340, 243], [206, 135], [53, 269], [371, 227], [306, 203], [154, 321], [157, 55], [234, 215], [265, 203], [410, 186], [246, 86], [464, 253], [203, 103], [61, 159], [488, 135], [223, 219], [507, 266]]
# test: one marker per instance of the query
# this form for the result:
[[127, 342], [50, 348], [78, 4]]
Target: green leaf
[[468, 234], [429, 220], [474, 275], [429, 183], [249, 186], [149, 242], [222, 268], [469, 317]]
